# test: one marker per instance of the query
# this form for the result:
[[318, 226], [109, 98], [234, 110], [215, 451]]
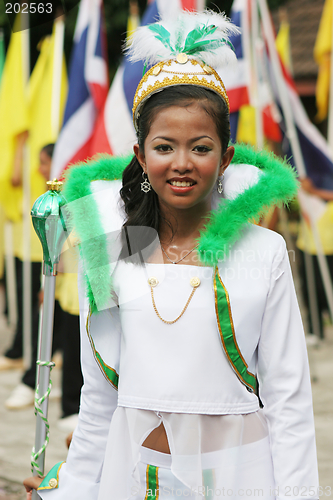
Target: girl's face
[[182, 156]]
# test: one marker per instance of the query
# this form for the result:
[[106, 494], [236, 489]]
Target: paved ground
[[17, 428]]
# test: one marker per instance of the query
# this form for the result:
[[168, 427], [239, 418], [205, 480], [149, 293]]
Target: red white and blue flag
[[238, 77], [315, 150], [88, 88]]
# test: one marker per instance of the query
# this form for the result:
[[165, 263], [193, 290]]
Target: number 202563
[[31, 8]]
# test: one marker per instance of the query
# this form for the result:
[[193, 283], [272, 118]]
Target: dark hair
[[48, 149], [143, 209]]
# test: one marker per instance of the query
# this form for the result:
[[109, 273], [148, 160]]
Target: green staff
[[49, 224]]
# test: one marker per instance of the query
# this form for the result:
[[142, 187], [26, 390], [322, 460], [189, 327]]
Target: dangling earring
[[220, 184], [145, 185]]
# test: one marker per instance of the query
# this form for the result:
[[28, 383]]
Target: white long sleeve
[[285, 387]]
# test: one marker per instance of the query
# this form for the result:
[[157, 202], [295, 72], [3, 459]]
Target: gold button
[[157, 70], [153, 281], [208, 70], [53, 483], [182, 58], [195, 282]]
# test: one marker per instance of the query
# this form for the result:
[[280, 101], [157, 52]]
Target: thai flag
[[115, 133], [88, 88]]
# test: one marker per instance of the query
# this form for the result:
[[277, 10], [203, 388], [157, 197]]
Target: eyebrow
[[192, 140]]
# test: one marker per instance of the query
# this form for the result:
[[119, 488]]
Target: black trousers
[[66, 336], [16, 349]]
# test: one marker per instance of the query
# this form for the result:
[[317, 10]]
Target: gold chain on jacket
[[194, 282]]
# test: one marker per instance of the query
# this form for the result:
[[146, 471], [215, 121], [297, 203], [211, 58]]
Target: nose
[[182, 162]]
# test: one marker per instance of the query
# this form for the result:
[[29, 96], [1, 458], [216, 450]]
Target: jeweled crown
[[182, 51]]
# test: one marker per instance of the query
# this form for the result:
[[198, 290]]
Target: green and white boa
[[276, 185]]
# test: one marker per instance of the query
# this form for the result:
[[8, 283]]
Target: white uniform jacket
[[258, 330]]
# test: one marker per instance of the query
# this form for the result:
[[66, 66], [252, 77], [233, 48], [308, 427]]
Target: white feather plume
[[146, 45]]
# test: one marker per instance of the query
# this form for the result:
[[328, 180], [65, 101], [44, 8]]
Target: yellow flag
[[322, 55], [45, 116], [133, 20], [13, 119], [2, 243], [43, 110], [246, 128], [282, 44]]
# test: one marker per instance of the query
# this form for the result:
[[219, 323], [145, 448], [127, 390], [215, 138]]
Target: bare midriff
[[157, 440]]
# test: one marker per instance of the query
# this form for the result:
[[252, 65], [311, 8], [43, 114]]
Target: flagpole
[[57, 74], [27, 299], [255, 46], [294, 142], [330, 107]]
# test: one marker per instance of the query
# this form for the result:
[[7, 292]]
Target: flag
[[42, 85], [282, 43], [45, 100], [2, 52], [14, 120], [115, 133], [322, 55], [237, 79], [2, 214], [246, 126], [133, 20], [238, 83], [88, 88], [315, 150]]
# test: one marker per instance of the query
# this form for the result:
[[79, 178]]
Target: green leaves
[[198, 40], [197, 36]]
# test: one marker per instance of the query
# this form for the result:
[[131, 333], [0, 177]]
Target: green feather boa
[[278, 185]]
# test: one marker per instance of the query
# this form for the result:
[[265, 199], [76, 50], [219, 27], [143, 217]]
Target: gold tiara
[[183, 70]]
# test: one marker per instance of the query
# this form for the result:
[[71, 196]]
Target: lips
[[181, 185], [181, 182]]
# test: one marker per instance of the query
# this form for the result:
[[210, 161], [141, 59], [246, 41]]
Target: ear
[[140, 157], [226, 159]]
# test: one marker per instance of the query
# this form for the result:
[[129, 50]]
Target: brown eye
[[202, 149], [163, 148]]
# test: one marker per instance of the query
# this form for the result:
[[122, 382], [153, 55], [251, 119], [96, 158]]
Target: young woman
[[188, 303]]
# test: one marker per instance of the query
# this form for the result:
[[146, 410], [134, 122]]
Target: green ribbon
[[38, 409], [152, 492], [228, 337], [110, 373]]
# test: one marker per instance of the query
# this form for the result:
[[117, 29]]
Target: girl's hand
[[31, 483], [69, 439]]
